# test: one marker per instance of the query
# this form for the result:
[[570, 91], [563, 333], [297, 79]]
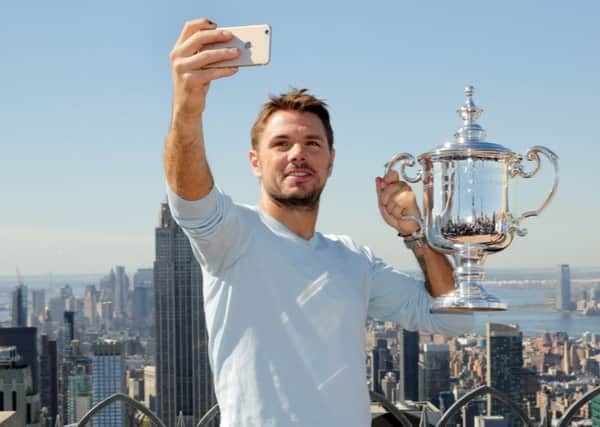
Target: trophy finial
[[470, 113]]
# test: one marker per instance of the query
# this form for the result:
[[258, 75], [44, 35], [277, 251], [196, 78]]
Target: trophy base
[[468, 297]]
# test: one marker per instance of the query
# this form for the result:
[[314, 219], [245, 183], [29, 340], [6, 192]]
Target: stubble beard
[[309, 202]]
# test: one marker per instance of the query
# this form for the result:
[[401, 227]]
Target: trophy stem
[[469, 295]]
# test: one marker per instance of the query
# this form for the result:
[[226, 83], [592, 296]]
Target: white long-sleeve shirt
[[286, 316]]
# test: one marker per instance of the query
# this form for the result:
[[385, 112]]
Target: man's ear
[[330, 169], [254, 162]]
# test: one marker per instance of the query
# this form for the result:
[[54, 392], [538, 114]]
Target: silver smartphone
[[254, 43]]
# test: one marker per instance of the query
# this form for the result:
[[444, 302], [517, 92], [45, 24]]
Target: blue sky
[[85, 102]]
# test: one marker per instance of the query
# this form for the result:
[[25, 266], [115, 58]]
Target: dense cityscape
[[144, 336]]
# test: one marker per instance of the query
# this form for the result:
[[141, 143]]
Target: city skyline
[[544, 373], [82, 170]]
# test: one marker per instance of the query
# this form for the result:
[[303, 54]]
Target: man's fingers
[[202, 59], [395, 211], [191, 27], [391, 177], [387, 193], [200, 39], [391, 190]]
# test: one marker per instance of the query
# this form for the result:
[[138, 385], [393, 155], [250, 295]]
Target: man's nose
[[297, 152]]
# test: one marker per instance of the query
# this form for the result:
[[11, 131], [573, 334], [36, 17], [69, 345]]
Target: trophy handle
[[407, 160], [517, 170]]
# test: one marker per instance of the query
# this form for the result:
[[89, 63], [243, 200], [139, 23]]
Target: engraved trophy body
[[466, 185]]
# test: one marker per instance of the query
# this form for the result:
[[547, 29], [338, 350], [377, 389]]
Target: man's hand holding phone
[[189, 60]]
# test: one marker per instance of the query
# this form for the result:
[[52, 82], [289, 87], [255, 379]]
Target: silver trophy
[[465, 203]]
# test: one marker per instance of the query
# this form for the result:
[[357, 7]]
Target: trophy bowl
[[466, 184]]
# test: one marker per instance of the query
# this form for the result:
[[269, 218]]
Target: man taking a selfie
[[286, 305]]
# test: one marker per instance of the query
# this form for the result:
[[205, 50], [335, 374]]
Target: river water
[[529, 308]]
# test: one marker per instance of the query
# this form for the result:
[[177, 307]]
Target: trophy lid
[[469, 140]]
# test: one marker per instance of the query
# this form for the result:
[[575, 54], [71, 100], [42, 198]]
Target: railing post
[[576, 406], [128, 401], [480, 391]]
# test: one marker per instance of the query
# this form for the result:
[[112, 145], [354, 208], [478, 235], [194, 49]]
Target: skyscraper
[[563, 291], [434, 372], [121, 296], [19, 306], [78, 395], [107, 287], [16, 388], [108, 378], [505, 362], [381, 363], [143, 297], [68, 331], [408, 342], [49, 377], [38, 302], [90, 305], [25, 341], [183, 376]]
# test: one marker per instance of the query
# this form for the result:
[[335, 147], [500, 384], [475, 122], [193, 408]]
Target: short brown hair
[[295, 100]]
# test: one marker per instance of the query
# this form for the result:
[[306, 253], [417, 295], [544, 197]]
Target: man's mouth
[[299, 173]]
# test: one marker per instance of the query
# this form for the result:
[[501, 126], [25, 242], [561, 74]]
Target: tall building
[[19, 306], [183, 376], [68, 330], [108, 378], [49, 377], [505, 362], [16, 388], [381, 363], [38, 303], [25, 341], [563, 291], [150, 387], [90, 305], [408, 383], [121, 295], [388, 386], [57, 307], [79, 399], [143, 277], [434, 372], [107, 287], [142, 306]]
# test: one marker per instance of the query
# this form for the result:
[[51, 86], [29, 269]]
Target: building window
[[1, 401], [14, 401]]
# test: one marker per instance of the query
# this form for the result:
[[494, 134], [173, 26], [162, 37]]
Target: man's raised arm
[[186, 166]]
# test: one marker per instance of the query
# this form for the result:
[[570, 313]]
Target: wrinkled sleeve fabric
[[394, 295], [213, 225]]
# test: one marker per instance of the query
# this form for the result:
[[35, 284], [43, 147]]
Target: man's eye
[[313, 143]]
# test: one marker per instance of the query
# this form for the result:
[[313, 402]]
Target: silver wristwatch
[[412, 244]]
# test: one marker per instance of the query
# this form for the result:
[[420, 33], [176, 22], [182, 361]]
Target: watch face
[[414, 243]]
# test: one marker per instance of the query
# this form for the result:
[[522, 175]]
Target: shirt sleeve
[[397, 296], [213, 226]]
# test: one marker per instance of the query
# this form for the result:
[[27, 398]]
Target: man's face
[[293, 159]]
